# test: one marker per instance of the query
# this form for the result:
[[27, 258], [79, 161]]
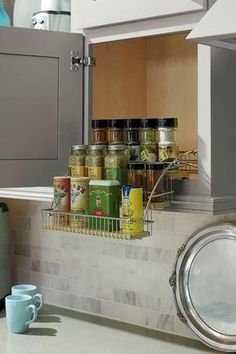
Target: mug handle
[[39, 297], [34, 311]]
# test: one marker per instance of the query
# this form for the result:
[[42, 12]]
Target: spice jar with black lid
[[99, 132], [115, 131], [167, 139], [136, 174], [148, 129], [153, 173], [131, 135]]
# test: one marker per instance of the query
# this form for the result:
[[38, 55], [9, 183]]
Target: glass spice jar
[[115, 131], [136, 174], [94, 161], [167, 139], [116, 162], [131, 131], [77, 156], [153, 172], [99, 132], [148, 131]]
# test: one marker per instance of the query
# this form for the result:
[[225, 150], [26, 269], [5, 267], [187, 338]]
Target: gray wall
[[9, 5]]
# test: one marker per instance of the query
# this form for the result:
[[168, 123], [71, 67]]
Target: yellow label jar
[[94, 161], [132, 210], [77, 156]]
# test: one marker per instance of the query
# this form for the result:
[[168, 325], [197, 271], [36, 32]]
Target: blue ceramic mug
[[31, 290], [20, 313]]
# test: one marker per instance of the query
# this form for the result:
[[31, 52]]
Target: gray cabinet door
[[41, 105]]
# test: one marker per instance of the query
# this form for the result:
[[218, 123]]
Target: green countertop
[[62, 331]]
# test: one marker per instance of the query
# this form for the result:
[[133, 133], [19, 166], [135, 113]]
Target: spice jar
[[99, 132], [131, 131], [131, 138], [136, 174], [115, 131], [148, 131], [116, 163], [77, 156], [167, 139], [94, 161], [153, 172]]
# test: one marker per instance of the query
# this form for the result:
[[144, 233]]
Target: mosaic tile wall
[[124, 280]]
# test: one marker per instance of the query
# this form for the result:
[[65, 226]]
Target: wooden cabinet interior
[[148, 77]]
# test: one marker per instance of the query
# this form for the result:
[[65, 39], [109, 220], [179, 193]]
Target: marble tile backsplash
[[124, 280]]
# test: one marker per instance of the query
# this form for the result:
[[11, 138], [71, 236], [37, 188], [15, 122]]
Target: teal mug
[[31, 290], [20, 313]]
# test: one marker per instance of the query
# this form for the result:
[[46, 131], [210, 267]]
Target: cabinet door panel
[[40, 105], [92, 13]]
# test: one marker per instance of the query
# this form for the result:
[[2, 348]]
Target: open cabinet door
[[41, 105]]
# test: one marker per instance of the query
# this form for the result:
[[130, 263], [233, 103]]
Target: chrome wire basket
[[120, 228]]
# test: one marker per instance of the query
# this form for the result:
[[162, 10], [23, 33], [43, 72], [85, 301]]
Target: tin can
[[79, 201], [61, 197], [104, 204], [132, 210]]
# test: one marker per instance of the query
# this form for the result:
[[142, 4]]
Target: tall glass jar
[[94, 161], [99, 132], [167, 139], [115, 131], [77, 156], [116, 162]]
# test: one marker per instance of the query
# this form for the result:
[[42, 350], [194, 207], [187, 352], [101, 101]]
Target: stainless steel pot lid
[[204, 285]]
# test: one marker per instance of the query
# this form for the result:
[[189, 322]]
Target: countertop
[[63, 331]]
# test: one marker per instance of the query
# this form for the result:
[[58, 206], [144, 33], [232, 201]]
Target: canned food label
[[77, 171], [132, 209], [79, 197], [62, 194]]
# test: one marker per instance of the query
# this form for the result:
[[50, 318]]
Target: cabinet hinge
[[76, 61]]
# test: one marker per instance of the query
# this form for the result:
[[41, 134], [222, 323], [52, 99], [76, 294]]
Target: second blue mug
[[31, 290]]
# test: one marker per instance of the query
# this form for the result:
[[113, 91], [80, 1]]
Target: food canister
[[94, 162], [167, 139], [61, 197], [116, 163], [104, 202], [99, 132], [132, 210], [79, 193], [115, 131], [77, 156]]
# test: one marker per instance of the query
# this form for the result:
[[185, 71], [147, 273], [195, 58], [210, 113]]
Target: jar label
[[95, 172], [77, 171]]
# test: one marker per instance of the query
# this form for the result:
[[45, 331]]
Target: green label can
[[103, 202]]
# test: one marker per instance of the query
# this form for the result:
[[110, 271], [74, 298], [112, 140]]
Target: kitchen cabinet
[[155, 76], [93, 13], [41, 105], [168, 76]]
